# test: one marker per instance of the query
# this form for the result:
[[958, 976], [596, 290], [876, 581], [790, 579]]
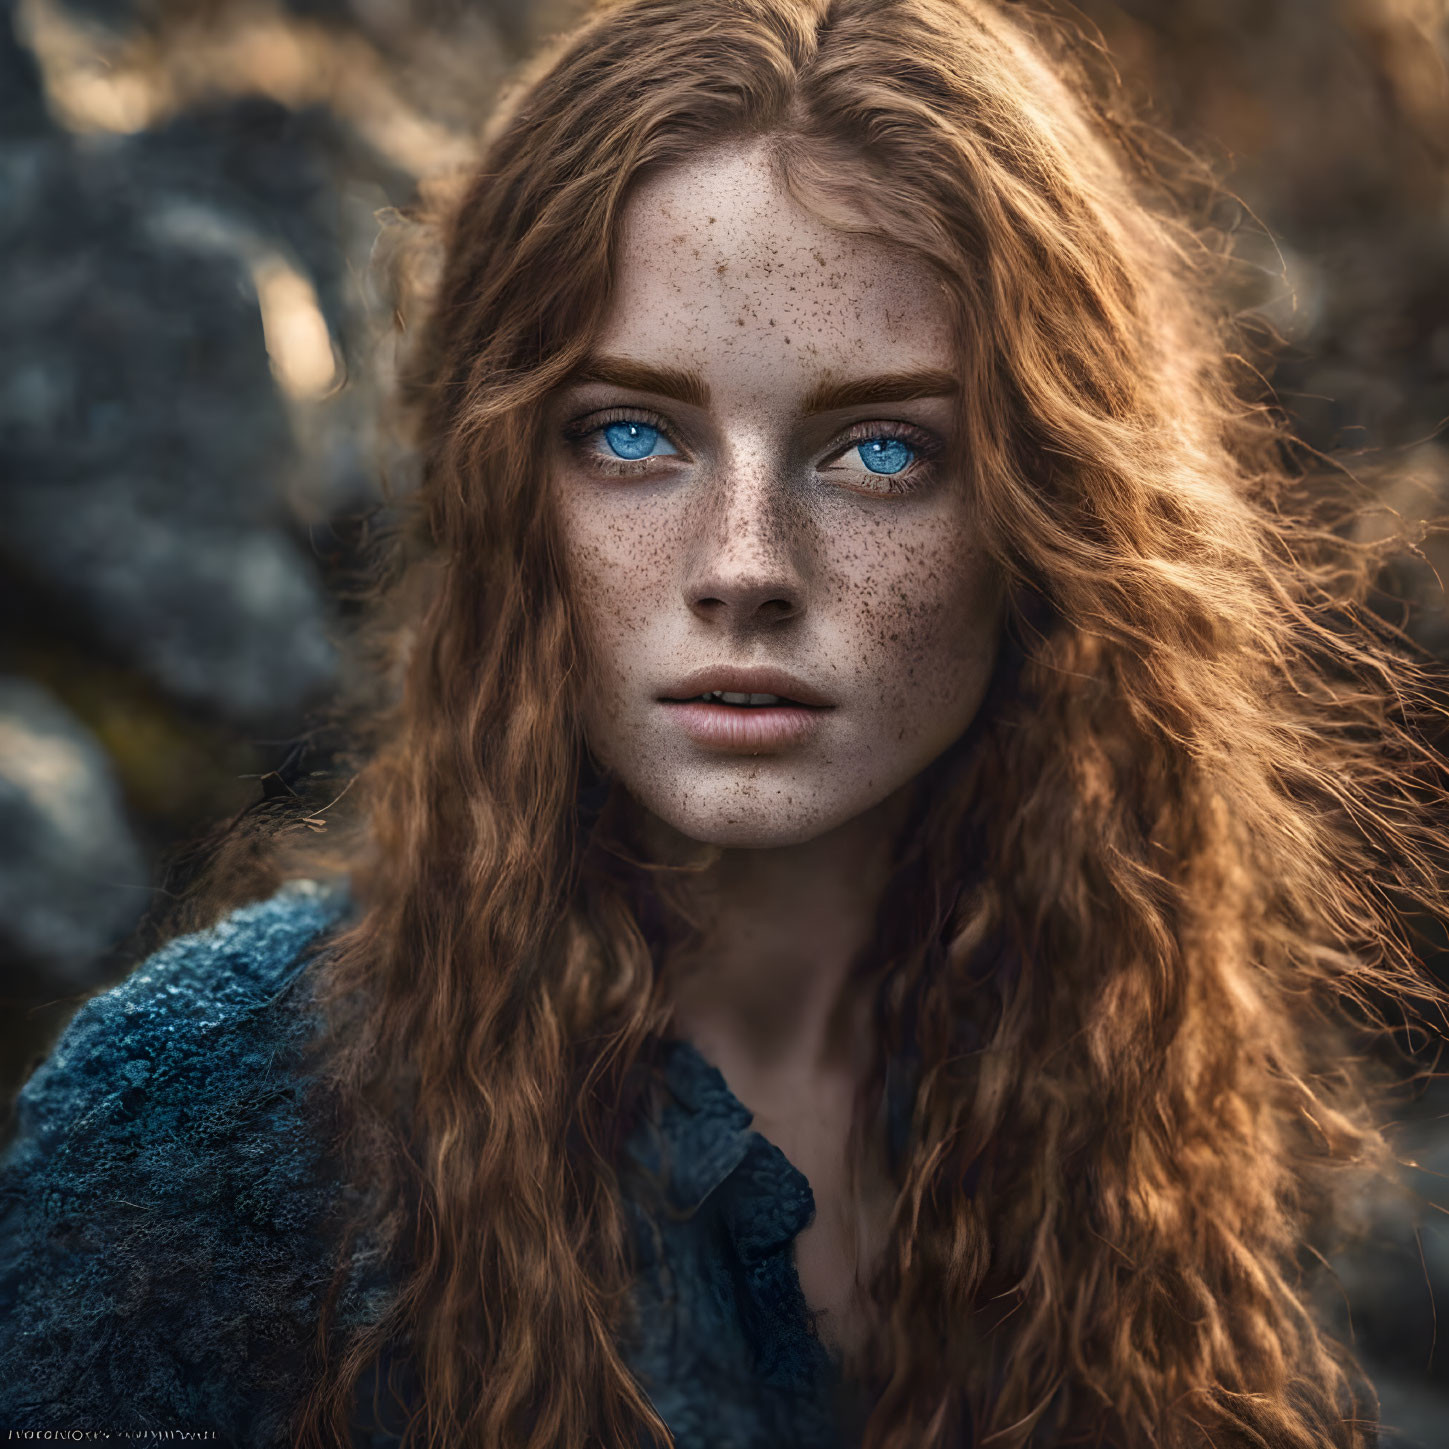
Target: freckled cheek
[[619, 567], [922, 622]]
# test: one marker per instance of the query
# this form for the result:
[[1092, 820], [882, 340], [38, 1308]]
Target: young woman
[[893, 819]]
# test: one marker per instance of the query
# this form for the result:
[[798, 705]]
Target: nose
[[743, 570]]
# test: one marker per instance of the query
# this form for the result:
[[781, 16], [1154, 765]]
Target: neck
[[769, 984]]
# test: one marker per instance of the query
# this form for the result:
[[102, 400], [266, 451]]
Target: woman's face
[[763, 516]]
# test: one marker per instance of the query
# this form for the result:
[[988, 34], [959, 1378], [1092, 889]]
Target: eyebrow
[[828, 395], [673, 382]]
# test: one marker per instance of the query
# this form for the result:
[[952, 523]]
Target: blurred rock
[[264, 172], [142, 435], [224, 616], [22, 98], [72, 878]]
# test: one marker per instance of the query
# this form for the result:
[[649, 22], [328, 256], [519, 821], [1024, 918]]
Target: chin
[[749, 814]]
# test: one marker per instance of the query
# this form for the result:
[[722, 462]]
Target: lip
[[748, 679], [746, 730]]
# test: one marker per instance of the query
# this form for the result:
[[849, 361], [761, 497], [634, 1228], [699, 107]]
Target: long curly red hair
[[1146, 908]]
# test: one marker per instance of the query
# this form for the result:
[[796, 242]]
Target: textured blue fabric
[[165, 1210], [723, 1340]]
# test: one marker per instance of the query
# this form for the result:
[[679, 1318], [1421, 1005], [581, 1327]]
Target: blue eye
[[636, 440], [885, 455]]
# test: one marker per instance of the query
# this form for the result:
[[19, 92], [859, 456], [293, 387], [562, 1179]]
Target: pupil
[[885, 455], [631, 440]]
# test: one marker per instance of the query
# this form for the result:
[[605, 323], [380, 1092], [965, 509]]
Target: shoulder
[[198, 990], [162, 1201]]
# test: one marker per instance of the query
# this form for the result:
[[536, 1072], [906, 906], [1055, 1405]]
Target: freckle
[[711, 221], [721, 269]]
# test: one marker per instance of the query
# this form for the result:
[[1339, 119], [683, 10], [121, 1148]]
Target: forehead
[[721, 270]]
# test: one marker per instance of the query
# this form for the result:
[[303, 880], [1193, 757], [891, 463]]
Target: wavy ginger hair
[[1140, 907]]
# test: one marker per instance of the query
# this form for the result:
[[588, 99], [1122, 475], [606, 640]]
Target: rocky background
[[192, 197]]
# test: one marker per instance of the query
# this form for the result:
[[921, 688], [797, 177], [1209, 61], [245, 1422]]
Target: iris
[[885, 455], [635, 440]]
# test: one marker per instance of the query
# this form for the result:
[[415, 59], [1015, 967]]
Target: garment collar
[[701, 1139], [700, 1135]]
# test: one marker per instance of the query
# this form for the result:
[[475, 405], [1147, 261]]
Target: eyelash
[[582, 429], [918, 470]]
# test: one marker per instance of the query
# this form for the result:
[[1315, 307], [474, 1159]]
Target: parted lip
[[748, 679]]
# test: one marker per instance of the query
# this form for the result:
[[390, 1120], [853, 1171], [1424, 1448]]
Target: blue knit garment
[[165, 1211]]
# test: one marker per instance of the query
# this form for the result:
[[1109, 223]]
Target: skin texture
[[756, 536], [753, 544]]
